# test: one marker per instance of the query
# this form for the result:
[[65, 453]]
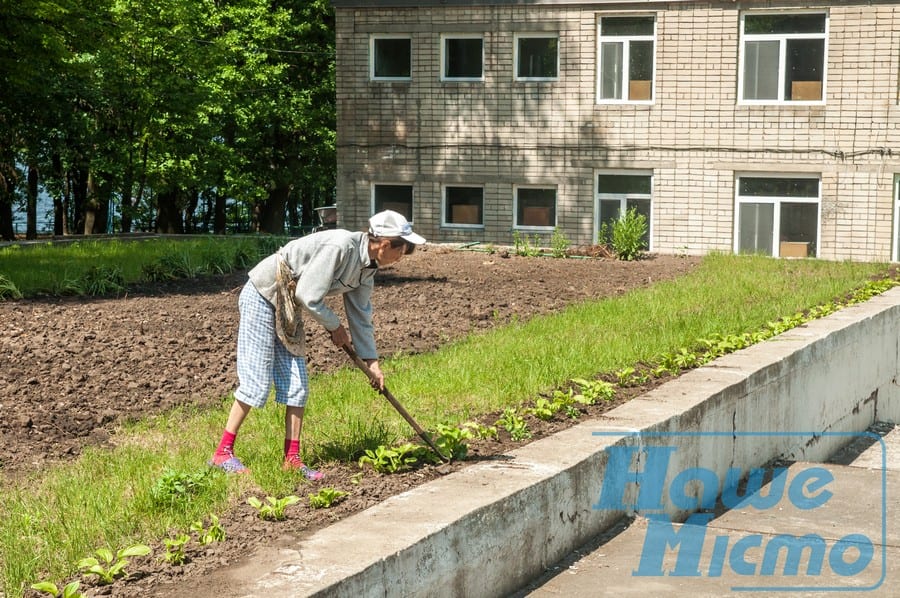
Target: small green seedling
[[451, 440], [326, 498], [593, 390], [480, 430], [69, 591], [175, 549], [386, 459], [544, 409], [274, 510], [114, 563], [214, 533], [513, 423], [178, 486]]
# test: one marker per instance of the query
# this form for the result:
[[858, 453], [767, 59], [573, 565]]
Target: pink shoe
[[228, 463], [293, 463]]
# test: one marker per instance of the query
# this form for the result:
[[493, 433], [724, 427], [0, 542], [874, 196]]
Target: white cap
[[392, 224]]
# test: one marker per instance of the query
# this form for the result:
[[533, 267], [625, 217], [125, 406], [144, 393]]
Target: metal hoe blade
[[393, 401]]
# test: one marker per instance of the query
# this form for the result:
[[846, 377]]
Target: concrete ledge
[[490, 528]]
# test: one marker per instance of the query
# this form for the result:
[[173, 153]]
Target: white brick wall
[[695, 136]]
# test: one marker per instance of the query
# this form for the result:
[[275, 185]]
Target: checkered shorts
[[262, 359]]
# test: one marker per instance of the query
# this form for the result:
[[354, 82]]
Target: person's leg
[[291, 390], [255, 355]]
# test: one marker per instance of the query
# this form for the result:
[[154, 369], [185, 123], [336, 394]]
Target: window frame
[[373, 38], [782, 54], [534, 228], [626, 77], [374, 208], [623, 199], [776, 201], [446, 223], [516, 55], [895, 237], [445, 37]]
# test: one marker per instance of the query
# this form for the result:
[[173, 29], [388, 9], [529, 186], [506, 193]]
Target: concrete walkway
[[858, 506]]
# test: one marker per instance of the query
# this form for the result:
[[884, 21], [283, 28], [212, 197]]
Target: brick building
[[733, 126]]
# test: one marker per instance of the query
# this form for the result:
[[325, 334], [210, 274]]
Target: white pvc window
[[621, 191], [390, 58], [535, 208], [625, 58], [536, 57], [783, 57], [462, 57], [396, 197], [463, 206], [895, 249], [778, 215]]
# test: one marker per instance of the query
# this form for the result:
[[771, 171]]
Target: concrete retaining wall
[[490, 528]]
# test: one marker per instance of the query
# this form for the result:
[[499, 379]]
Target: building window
[[462, 57], [393, 197], [895, 250], [464, 206], [626, 56], [783, 57], [535, 207], [618, 193], [536, 57], [391, 57], [777, 216]]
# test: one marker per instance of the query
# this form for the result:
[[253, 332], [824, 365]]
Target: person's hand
[[377, 379], [340, 337]]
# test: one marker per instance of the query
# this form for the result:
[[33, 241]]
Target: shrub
[[628, 235]]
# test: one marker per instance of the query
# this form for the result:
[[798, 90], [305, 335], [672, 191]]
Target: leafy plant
[[386, 459], [544, 409], [275, 509], [593, 390], [8, 289], [628, 235], [522, 246], [326, 498], [96, 281], [110, 566], [69, 591], [175, 549], [559, 243], [481, 430], [514, 424], [178, 486], [214, 533], [451, 440]]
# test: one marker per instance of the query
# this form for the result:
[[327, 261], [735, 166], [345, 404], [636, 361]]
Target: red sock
[[226, 447], [291, 447]]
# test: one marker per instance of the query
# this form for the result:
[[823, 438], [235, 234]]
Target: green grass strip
[[50, 521]]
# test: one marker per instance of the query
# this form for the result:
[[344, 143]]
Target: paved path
[[863, 503]]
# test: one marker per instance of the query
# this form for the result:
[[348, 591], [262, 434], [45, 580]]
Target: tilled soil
[[72, 369]]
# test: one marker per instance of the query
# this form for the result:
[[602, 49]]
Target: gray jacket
[[328, 263]]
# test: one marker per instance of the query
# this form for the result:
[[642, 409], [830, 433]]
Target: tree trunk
[[271, 211], [193, 199], [79, 198], [168, 217], [31, 204], [220, 223]]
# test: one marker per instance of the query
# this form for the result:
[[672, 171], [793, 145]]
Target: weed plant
[[106, 497]]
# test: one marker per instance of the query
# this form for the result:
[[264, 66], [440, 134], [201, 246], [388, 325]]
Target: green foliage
[[524, 247], [178, 486], [628, 235], [207, 535], [559, 244], [480, 430], [451, 440], [8, 289], [544, 409], [274, 508], [96, 281], [326, 498], [175, 554], [593, 391], [391, 459], [110, 566], [69, 591], [514, 424]]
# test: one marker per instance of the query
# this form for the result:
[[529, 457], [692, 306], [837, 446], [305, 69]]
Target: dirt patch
[[75, 368]]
